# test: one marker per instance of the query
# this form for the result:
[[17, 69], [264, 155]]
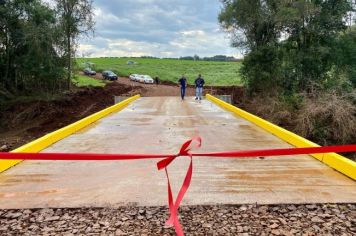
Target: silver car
[[134, 77], [147, 79]]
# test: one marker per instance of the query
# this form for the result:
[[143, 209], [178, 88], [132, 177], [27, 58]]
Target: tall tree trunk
[[68, 14], [69, 60], [7, 68]]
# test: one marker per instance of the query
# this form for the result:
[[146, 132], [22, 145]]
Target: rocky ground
[[306, 220]]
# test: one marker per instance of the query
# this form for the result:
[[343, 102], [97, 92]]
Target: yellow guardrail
[[336, 161], [47, 140]]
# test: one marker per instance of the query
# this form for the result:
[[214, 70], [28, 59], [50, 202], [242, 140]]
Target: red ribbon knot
[[174, 205]]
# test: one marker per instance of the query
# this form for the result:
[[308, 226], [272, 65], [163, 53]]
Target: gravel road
[[306, 220]]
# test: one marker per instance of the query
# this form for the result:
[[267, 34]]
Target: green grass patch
[[84, 81], [214, 73]]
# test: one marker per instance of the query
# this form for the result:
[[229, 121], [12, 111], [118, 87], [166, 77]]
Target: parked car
[[147, 79], [133, 77], [140, 78], [88, 71], [109, 75]]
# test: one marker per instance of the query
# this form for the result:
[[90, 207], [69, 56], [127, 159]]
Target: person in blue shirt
[[182, 82], [199, 83]]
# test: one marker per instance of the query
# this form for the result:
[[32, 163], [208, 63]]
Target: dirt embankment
[[24, 122]]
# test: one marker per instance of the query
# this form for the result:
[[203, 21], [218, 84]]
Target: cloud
[[162, 28]]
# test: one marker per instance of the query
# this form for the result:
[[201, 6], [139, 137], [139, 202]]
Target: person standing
[[199, 83], [182, 82], [157, 80]]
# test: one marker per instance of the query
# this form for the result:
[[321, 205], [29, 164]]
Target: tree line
[[300, 63], [294, 45], [191, 58], [37, 43], [213, 58]]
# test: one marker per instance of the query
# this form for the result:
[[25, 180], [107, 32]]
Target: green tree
[[29, 60], [290, 44], [311, 28], [76, 18], [344, 52], [254, 27]]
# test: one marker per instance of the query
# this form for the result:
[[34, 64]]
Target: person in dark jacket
[[156, 80], [199, 83], [182, 82]]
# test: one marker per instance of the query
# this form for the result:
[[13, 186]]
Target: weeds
[[326, 118]]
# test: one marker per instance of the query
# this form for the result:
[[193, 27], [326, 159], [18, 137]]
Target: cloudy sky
[[161, 28]]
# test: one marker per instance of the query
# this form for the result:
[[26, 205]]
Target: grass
[[84, 81], [214, 73]]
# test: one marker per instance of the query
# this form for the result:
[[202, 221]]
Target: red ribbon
[[173, 206], [163, 164]]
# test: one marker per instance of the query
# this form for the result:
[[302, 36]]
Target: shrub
[[327, 119]]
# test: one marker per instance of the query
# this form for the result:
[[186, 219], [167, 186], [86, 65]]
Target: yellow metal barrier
[[336, 161], [47, 140]]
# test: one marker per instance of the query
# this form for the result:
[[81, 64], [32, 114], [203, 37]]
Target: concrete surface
[[161, 125]]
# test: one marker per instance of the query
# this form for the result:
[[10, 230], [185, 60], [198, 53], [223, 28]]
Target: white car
[[140, 78], [134, 77], [147, 79]]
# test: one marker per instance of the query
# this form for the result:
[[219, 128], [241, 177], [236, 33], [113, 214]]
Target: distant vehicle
[[147, 79], [140, 78], [88, 71], [134, 77], [131, 63], [109, 75]]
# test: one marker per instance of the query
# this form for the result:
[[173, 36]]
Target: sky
[[160, 28]]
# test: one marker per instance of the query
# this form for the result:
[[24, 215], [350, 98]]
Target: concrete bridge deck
[[161, 125]]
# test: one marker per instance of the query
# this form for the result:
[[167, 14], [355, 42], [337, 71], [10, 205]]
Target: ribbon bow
[[174, 205]]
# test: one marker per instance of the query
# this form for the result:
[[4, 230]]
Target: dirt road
[[152, 90]]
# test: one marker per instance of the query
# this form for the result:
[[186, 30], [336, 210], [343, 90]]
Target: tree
[[253, 26], [312, 28], [345, 57], [76, 18], [289, 44], [29, 61]]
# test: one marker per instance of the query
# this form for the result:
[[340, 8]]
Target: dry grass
[[270, 108], [328, 118]]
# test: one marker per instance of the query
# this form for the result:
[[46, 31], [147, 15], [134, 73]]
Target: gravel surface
[[321, 219]]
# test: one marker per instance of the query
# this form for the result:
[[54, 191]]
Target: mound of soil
[[22, 123]]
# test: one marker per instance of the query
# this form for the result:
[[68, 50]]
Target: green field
[[84, 81], [214, 73]]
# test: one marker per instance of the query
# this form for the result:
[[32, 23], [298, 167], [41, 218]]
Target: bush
[[327, 119], [260, 70], [271, 108]]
